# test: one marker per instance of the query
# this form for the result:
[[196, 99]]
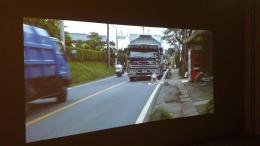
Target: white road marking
[[145, 109], [70, 105], [184, 80]]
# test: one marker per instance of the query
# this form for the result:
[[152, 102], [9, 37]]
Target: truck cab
[[144, 58], [143, 61]]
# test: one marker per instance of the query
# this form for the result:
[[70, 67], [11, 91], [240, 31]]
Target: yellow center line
[[70, 105]]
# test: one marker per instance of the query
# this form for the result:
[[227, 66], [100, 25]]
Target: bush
[[160, 113], [209, 107], [165, 114], [90, 55]]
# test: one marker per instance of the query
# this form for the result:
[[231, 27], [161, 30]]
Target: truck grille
[[143, 62]]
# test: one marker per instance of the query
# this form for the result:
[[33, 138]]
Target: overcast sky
[[101, 28]]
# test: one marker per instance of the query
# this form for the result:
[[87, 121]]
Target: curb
[[144, 115]]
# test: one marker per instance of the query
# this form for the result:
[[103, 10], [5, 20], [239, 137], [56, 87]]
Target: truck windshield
[[139, 54]]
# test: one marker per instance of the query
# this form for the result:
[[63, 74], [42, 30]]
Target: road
[[102, 104]]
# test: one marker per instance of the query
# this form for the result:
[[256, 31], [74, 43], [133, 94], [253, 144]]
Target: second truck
[[145, 57]]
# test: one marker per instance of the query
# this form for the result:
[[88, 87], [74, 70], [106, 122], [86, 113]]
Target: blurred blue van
[[46, 70]]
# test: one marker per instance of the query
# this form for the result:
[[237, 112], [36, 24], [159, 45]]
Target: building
[[78, 36], [196, 54], [84, 37]]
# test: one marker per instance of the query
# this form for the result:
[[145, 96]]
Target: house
[[196, 54]]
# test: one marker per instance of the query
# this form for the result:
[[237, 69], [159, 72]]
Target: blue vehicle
[[46, 70]]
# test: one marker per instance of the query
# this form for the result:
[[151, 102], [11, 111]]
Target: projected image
[[83, 77]]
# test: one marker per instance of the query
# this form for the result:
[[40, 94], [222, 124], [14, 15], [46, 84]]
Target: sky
[[101, 28]]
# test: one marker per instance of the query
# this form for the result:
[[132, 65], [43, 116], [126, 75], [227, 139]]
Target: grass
[[209, 108], [160, 114], [165, 114], [83, 72]]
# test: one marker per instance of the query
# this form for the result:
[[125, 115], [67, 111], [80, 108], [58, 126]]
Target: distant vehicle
[[145, 58], [119, 70], [46, 70]]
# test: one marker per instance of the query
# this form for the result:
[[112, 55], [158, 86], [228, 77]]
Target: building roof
[[84, 37], [78, 36]]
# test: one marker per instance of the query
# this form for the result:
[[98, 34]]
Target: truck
[[145, 57], [46, 70]]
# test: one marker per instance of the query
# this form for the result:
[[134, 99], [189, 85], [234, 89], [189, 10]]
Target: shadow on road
[[141, 79], [41, 105]]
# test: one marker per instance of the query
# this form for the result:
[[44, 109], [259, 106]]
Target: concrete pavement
[[181, 98]]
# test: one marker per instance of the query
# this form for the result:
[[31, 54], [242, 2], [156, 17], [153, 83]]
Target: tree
[[95, 41], [175, 36], [82, 45], [170, 51], [68, 40], [112, 44], [51, 25], [121, 56]]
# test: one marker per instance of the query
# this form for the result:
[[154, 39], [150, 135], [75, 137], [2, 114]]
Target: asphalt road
[[103, 104]]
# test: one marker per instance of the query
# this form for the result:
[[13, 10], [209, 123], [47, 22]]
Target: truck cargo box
[[39, 54]]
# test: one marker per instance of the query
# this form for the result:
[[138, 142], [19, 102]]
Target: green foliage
[[82, 45], [175, 36], [209, 106], [160, 113], [95, 41], [122, 57], [165, 114], [177, 59], [170, 51], [112, 44], [170, 35], [83, 72], [90, 55], [51, 25], [68, 40]]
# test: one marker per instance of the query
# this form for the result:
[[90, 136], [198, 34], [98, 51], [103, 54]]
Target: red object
[[195, 64]]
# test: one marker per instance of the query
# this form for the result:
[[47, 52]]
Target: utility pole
[[143, 29], [62, 36], [116, 44], [108, 48]]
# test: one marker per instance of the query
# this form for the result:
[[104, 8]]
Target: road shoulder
[[180, 98]]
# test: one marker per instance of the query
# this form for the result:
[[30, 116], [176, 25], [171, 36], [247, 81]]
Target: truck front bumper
[[139, 75], [143, 72]]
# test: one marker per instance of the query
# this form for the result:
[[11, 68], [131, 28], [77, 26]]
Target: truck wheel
[[62, 96]]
